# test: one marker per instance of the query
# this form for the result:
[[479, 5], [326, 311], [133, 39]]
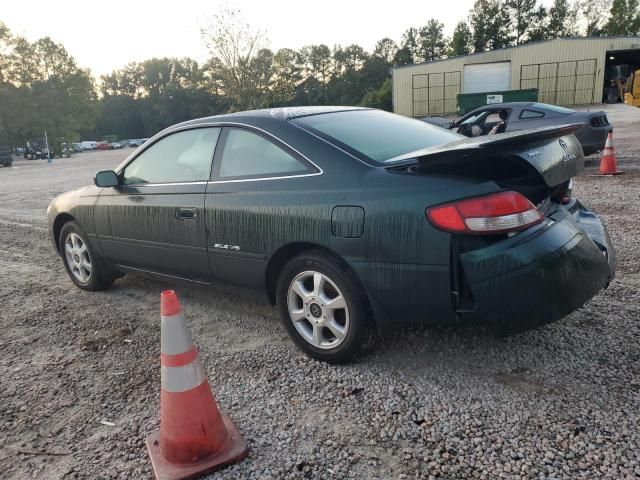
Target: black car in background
[[6, 156], [516, 116], [350, 220], [36, 150]]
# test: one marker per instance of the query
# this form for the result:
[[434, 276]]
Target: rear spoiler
[[552, 151]]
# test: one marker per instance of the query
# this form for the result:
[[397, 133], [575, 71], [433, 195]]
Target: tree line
[[43, 88]]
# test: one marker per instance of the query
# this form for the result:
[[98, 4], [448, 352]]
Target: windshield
[[375, 135]]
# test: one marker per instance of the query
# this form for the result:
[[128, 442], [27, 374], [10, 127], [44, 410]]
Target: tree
[[5, 39], [385, 49], [491, 25], [354, 57], [287, 75], [403, 56], [262, 66], [317, 60], [234, 44], [594, 13], [42, 88], [126, 81], [538, 29], [381, 98], [410, 41], [461, 40], [431, 43], [6, 89], [522, 13], [145, 97], [562, 19], [624, 18]]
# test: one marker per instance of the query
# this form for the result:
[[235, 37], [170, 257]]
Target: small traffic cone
[[195, 437], [608, 164]]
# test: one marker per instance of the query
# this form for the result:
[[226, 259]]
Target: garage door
[[487, 77]]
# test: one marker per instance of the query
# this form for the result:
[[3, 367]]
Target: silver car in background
[[513, 116]]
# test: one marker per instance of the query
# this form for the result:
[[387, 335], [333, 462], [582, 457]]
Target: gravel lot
[[559, 402]]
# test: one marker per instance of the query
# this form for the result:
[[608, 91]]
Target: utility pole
[[46, 141]]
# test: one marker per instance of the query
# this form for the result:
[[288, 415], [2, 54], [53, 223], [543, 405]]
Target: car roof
[[282, 114], [539, 105], [508, 105]]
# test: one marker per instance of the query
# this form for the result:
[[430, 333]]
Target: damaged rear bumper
[[540, 275]]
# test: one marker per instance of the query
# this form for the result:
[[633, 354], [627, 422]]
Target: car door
[[250, 206], [465, 125], [154, 220]]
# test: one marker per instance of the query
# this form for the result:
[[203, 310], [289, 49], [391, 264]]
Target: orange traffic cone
[[195, 437], [608, 164]]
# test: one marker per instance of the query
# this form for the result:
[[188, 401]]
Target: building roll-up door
[[487, 77]]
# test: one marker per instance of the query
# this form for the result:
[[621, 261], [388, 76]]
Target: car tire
[[324, 308], [84, 266]]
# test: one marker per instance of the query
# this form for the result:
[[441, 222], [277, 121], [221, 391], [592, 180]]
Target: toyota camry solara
[[351, 221]]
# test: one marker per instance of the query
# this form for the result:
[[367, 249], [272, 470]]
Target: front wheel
[[323, 308], [82, 264]]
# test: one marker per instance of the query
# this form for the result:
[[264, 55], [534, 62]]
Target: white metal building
[[568, 71]]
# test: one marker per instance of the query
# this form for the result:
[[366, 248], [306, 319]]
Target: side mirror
[[106, 178]]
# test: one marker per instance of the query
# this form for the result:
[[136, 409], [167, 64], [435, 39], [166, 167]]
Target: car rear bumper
[[541, 275]]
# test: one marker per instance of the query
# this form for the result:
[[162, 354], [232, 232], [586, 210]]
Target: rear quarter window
[[527, 114], [246, 154]]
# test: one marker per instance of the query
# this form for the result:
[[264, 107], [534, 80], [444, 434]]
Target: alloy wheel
[[318, 309], [78, 258]]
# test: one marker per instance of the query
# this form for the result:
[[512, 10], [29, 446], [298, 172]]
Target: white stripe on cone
[[182, 379], [609, 142], [174, 334]]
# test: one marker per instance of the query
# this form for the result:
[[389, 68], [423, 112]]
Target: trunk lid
[[532, 162]]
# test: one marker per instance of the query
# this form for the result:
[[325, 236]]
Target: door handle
[[186, 213]]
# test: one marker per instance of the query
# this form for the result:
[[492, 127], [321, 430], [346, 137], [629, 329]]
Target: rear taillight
[[496, 213]]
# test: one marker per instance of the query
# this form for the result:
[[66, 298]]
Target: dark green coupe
[[351, 221]]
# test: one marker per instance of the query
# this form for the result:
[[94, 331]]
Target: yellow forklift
[[631, 89]]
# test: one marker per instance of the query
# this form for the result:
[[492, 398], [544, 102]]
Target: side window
[[472, 118], [180, 157], [493, 117], [247, 154], [526, 114]]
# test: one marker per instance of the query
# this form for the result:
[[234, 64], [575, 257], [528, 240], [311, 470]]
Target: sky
[[104, 36]]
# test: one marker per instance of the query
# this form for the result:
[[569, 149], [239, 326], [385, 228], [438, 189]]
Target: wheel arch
[[279, 259], [59, 222], [285, 253]]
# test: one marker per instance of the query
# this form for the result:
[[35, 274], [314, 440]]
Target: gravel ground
[[559, 402]]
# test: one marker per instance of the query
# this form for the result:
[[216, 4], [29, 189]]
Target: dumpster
[[469, 101]]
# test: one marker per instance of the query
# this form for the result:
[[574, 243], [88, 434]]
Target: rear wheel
[[323, 308], [82, 264]]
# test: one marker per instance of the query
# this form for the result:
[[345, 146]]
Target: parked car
[[89, 145], [515, 116], [134, 143], [349, 220], [116, 145], [36, 150], [6, 156], [104, 146]]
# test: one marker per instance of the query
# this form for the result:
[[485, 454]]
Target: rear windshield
[[375, 135]]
